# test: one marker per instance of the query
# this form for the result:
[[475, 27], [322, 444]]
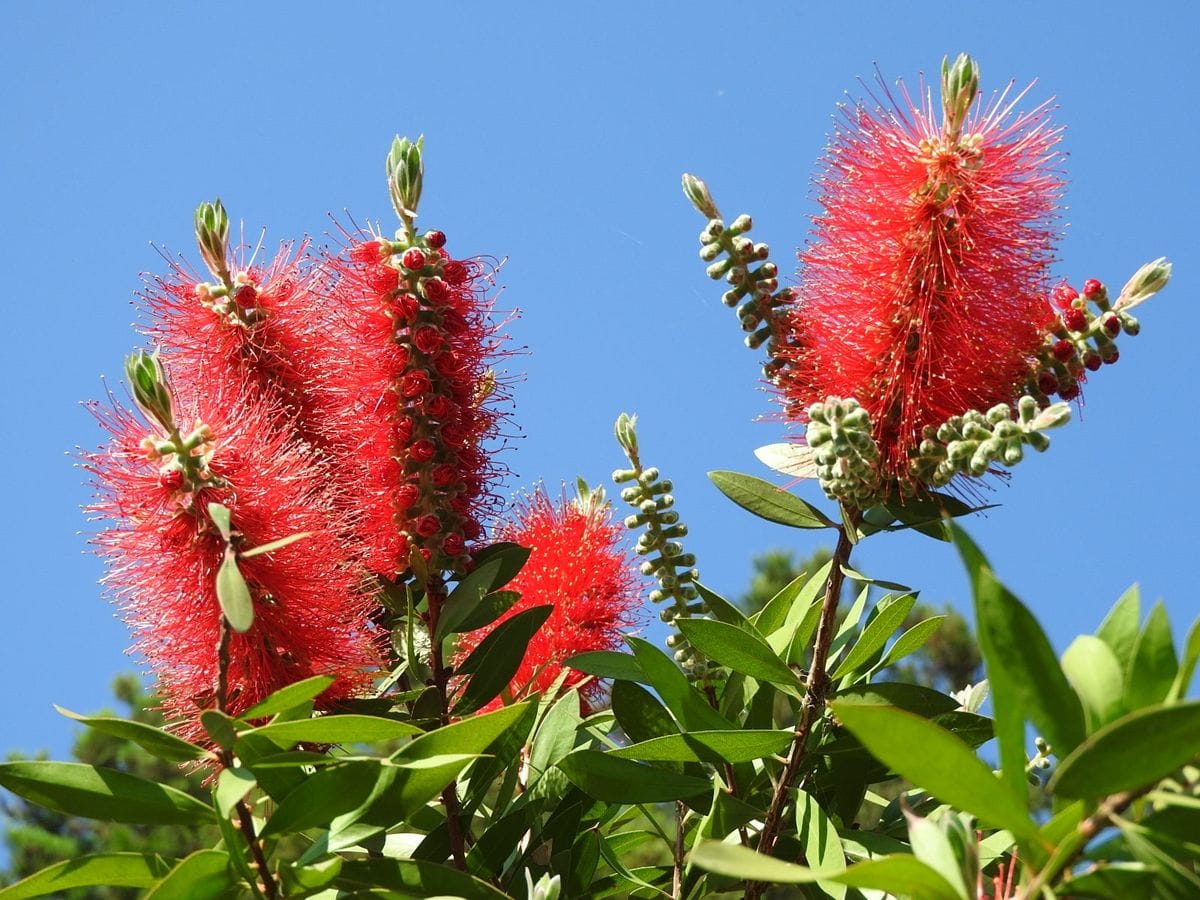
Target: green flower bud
[[626, 435], [697, 192], [212, 237], [741, 224], [1145, 283], [150, 388], [960, 84], [406, 175]]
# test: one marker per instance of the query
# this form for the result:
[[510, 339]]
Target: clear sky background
[[556, 134]]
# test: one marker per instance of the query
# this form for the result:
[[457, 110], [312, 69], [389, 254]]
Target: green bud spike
[[697, 192], [406, 174], [212, 237], [960, 85], [150, 388]]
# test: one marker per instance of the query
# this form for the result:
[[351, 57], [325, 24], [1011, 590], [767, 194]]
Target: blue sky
[[556, 134]]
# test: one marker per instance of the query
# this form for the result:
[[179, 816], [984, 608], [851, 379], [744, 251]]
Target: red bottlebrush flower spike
[[163, 552], [255, 325], [410, 359], [579, 564], [923, 288]]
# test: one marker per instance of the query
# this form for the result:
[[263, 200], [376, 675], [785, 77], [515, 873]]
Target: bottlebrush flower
[[409, 359], [578, 563], [253, 325], [163, 552], [923, 288]]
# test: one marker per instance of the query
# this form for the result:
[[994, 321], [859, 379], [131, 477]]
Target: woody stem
[[812, 706]]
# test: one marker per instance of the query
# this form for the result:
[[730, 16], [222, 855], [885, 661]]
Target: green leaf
[[272, 546], [555, 736], [607, 664], [401, 790], [337, 729], [767, 501], [512, 559], [915, 698], [1134, 751], [935, 760], [301, 880], [876, 633], [1017, 650], [897, 875], [1120, 627], [931, 845], [136, 870], [822, 846], [204, 875], [1094, 672], [740, 650], [234, 595], [911, 641], [1003, 681], [471, 736], [685, 702], [696, 746], [232, 786], [465, 597], [289, 697], [789, 605], [491, 607], [721, 609], [323, 796], [1154, 664], [221, 518], [611, 779], [639, 713], [875, 582], [220, 727], [156, 741], [496, 660], [99, 793], [414, 878], [1187, 666]]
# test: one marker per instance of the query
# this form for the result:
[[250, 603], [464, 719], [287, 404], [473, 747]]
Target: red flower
[[163, 553], [578, 563], [412, 371], [262, 339], [923, 287]]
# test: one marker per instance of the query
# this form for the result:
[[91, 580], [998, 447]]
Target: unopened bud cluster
[[839, 433], [183, 459], [1084, 337], [753, 291], [972, 443], [233, 297], [660, 543], [1039, 763]]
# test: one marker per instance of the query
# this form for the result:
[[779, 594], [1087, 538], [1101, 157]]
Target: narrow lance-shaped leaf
[[767, 501], [937, 761], [99, 793], [134, 870], [1134, 751]]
